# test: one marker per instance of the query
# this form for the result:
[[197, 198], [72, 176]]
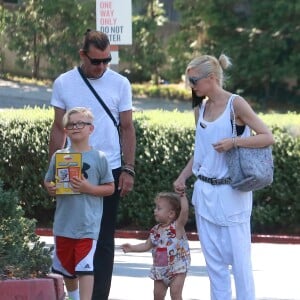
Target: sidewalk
[[276, 270]]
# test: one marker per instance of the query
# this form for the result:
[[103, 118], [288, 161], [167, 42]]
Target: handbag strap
[[232, 113], [98, 98]]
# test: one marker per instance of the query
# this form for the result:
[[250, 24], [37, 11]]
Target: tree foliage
[[146, 56], [184, 44], [261, 37], [51, 30], [4, 17]]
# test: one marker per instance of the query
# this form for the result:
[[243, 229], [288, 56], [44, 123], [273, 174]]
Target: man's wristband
[[128, 171], [129, 165]]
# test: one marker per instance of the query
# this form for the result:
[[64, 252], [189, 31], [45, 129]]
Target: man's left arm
[[128, 141]]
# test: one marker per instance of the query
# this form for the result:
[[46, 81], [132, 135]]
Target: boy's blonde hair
[[82, 110], [173, 199]]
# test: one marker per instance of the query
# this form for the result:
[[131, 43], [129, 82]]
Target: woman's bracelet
[[129, 171], [234, 142]]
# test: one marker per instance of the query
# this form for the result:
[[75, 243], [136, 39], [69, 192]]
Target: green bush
[[161, 152], [22, 255], [278, 206], [24, 155], [164, 145]]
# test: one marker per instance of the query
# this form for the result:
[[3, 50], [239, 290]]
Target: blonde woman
[[222, 213]]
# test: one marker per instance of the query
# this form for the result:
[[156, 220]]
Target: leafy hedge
[[22, 255], [164, 144]]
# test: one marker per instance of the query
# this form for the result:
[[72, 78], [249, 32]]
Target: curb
[[49, 288], [192, 236]]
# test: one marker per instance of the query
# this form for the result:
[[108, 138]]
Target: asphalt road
[[18, 95]]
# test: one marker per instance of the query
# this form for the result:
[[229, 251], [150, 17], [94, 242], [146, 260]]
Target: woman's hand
[[224, 145], [179, 185]]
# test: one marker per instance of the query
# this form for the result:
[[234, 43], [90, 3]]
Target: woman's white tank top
[[219, 204]]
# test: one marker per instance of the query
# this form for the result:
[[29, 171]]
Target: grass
[[289, 120], [28, 113], [27, 80], [166, 118]]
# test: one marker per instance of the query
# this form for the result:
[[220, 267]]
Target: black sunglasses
[[194, 80], [98, 61]]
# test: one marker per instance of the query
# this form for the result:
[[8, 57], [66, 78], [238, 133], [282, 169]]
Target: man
[[70, 90]]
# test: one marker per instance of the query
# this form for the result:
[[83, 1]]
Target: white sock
[[74, 295]]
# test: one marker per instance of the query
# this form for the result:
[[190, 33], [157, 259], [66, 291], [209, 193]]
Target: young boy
[[78, 216]]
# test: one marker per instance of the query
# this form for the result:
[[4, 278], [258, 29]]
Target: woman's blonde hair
[[207, 65]]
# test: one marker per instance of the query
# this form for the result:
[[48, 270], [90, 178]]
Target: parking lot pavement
[[276, 269], [18, 95]]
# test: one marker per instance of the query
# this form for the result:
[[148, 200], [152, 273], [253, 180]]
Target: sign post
[[114, 18]]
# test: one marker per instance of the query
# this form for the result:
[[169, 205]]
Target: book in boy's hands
[[67, 166]]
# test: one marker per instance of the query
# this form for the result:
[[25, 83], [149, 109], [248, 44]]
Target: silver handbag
[[250, 169]]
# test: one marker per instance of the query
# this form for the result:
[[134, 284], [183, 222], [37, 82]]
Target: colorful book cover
[[67, 165]]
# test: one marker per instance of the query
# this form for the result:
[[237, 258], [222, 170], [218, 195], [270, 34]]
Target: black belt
[[215, 181]]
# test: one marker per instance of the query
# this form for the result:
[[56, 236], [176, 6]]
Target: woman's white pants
[[225, 246]]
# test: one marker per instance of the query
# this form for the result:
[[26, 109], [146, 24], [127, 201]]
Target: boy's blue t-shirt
[[79, 216]]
